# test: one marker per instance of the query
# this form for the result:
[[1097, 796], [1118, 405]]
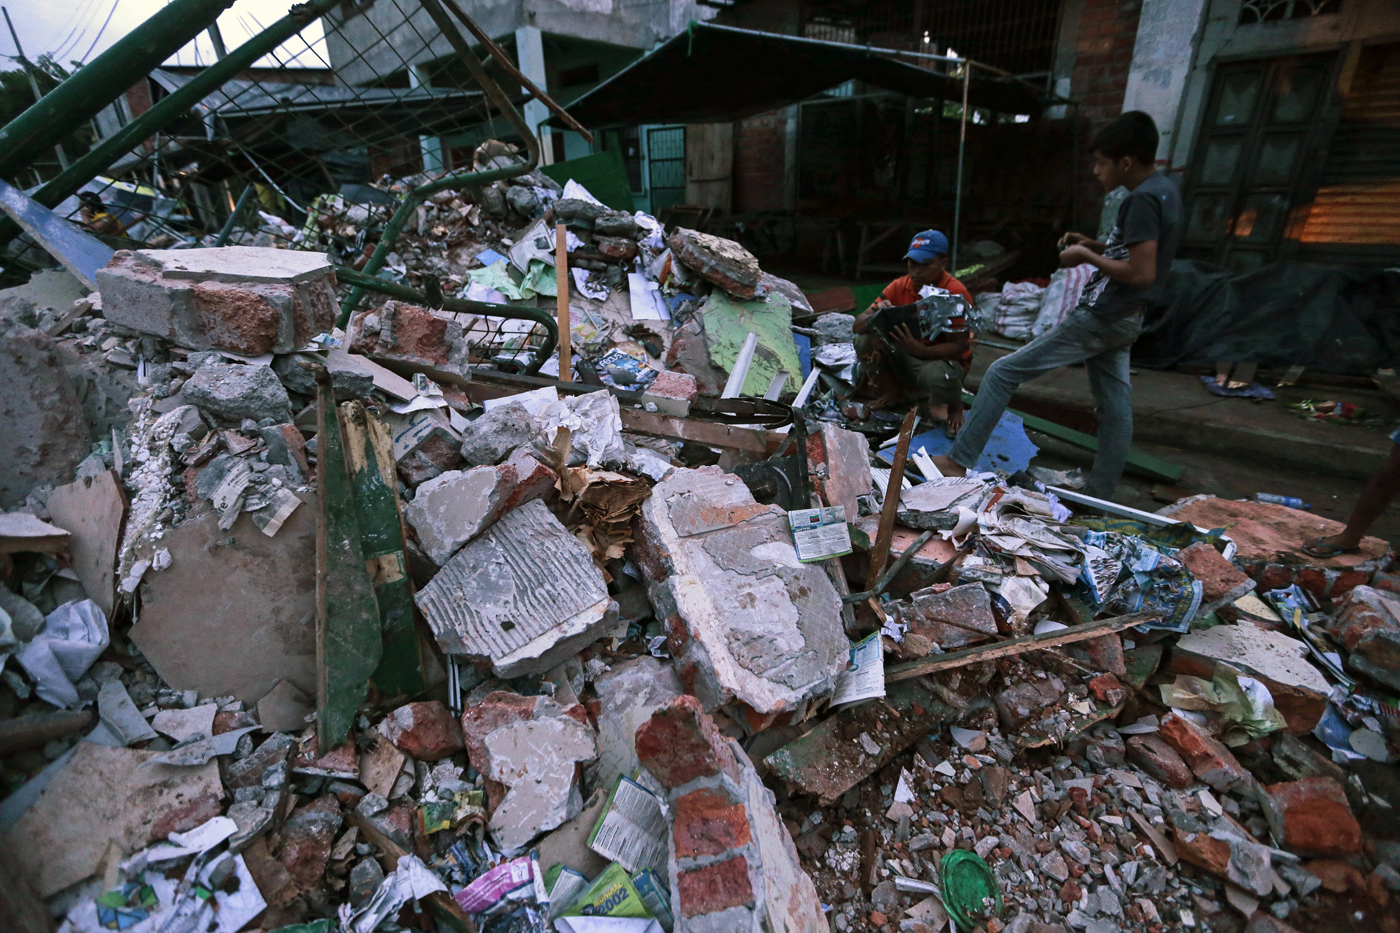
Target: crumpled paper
[[412, 880], [594, 421], [1244, 705], [73, 637]]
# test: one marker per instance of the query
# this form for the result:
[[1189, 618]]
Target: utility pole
[[29, 70]]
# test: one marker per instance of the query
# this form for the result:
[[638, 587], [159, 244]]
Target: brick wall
[[760, 162], [1107, 31]]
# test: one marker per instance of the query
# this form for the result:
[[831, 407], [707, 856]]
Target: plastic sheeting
[[1290, 313]]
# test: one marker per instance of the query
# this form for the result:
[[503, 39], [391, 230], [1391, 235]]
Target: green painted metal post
[[101, 80]]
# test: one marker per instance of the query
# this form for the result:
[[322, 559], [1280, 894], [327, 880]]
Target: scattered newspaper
[[820, 533], [633, 828], [865, 678]]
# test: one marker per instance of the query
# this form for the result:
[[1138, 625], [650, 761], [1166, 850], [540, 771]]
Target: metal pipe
[[362, 282], [962, 146], [227, 231], [175, 104], [102, 80], [467, 179]]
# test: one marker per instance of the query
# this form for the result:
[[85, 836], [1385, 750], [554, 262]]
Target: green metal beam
[[174, 105], [102, 80]]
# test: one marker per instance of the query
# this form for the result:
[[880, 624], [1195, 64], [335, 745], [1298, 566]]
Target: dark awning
[[712, 73]]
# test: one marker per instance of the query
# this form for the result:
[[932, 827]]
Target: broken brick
[[1311, 817], [428, 731], [708, 822], [715, 888], [1221, 581], [679, 743], [1207, 757], [1152, 754]]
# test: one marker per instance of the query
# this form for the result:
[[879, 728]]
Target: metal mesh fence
[[359, 134]]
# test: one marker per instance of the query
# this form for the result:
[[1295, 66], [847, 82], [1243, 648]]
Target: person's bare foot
[[949, 467], [935, 413], [955, 423]]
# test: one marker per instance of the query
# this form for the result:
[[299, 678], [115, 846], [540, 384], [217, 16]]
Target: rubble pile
[[349, 631]]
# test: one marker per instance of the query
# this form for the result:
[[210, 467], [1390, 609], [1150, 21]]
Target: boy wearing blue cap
[[1130, 270], [933, 369]]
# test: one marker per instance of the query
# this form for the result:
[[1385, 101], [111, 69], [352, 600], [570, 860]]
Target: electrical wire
[[115, 4]]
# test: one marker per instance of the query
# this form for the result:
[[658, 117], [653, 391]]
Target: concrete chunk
[[748, 622], [490, 438], [525, 594], [449, 510], [407, 334], [721, 261], [1300, 691], [245, 300], [931, 614], [231, 392], [627, 696]]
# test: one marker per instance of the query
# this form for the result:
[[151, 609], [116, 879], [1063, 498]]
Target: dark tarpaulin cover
[[712, 73], [1326, 318]]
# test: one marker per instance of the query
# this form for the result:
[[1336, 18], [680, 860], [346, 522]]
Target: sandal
[[1324, 551]]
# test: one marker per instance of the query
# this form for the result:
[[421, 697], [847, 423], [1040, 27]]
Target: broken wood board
[[348, 642], [369, 452], [235, 611], [832, 758], [709, 433], [103, 794], [36, 729], [21, 533], [1015, 646], [80, 252], [93, 510]]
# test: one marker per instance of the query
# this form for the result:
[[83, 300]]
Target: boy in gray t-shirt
[[1130, 270]]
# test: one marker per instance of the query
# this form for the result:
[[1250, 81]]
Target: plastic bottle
[[1293, 502]]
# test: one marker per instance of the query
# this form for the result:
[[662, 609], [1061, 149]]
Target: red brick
[[1348, 580], [708, 822], [1153, 755], [715, 887], [1337, 876], [1107, 689], [196, 812], [1218, 577], [427, 731], [1313, 580], [1202, 850], [680, 743], [1207, 758], [1312, 817]]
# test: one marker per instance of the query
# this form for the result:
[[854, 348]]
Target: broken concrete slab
[[627, 696], [236, 613], [449, 510], [491, 437], [528, 749], [1300, 691], [246, 300], [949, 617], [285, 708], [747, 622], [732, 865], [23, 533], [525, 594], [46, 435], [840, 466], [102, 794], [231, 392], [722, 262], [122, 724], [93, 511], [406, 336], [182, 724]]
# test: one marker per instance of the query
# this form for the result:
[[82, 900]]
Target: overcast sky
[[81, 29]]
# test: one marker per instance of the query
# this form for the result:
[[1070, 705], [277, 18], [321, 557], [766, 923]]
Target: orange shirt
[[902, 292]]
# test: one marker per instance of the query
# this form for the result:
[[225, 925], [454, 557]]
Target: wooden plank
[[561, 303], [881, 551], [710, 433], [1015, 646], [93, 511], [348, 642], [369, 452]]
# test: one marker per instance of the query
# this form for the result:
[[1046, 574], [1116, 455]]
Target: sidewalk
[[1175, 410]]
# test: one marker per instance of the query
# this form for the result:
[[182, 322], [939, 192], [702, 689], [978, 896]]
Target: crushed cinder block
[[747, 622], [245, 300], [733, 865], [528, 750], [722, 262], [627, 696], [949, 617], [1368, 624], [525, 594], [425, 730], [397, 332], [1300, 691], [231, 392], [1207, 757], [1311, 817], [491, 438]]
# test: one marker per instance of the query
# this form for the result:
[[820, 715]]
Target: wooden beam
[[709, 433], [880, 553], [1015, 646], [561, 302]]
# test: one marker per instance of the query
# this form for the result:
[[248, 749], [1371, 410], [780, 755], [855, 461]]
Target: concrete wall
[[1221, 39], [1162, 57]]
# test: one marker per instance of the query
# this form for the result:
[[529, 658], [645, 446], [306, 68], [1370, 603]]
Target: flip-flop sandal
[[1324, 551], [951, 431]]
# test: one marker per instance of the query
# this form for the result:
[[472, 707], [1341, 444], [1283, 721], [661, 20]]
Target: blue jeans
[[1102, 346]]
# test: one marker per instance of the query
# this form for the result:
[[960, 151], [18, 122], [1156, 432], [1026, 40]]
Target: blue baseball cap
[[927, 245]]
